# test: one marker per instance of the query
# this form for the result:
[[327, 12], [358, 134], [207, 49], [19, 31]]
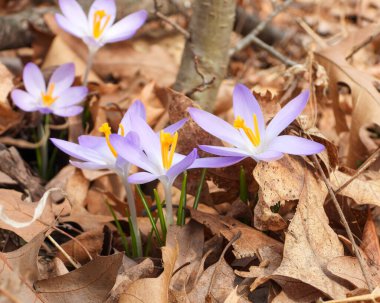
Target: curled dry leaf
[[365, 97], [370, 241], [143, 290], [19, 271], [90, 283], [310, 243]]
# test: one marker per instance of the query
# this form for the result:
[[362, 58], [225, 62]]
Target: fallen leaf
[[90, 283], [370, 241]]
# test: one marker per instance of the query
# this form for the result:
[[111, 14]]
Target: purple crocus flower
[[98, 152], [98, 28], [248, 136], [58, 97], [156, 155]]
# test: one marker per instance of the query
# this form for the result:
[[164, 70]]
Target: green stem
[[160, 214], [123, 237], [133, 212], [243, 185], [42, 129], [182, 201], [200, 187]]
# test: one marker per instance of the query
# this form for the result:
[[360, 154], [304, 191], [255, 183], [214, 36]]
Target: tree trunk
[[210, 28]]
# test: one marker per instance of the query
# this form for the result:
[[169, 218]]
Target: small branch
[[67, 256], [247, 40], [355, 248], [273, 52], [205, 83]]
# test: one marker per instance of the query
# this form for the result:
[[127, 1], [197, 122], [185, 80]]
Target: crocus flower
[[248, 135], [98, 152], [156, 155], [98, 28], [58, 97]]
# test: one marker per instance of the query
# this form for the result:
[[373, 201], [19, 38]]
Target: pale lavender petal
[[109, 8], [133, 139], [216, 162], [33, 80], [245, 105], [71, 96], [150, 141], [67, 111], [67, 26], [63, 78], [295, 145], [141, 178], [98, 144], [126, 27], [137, 109], [224, 151], [181, 166], [269, 155], [176, 126], [216, 126], [24, 100], [286, 115], [131, 154], [77, 151], [90, 165], [74, 13]]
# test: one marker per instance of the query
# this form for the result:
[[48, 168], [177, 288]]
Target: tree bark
[[210, 28]]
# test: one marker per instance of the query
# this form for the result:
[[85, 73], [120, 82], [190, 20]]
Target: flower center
[[254, 137], [168, 145], [98, 29], [106, 130], [47, 98]]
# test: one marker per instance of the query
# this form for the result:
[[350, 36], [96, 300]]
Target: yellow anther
[[168, 146], [47, 98], [122, 131], [106, 130], [98, 29], [254, 137]]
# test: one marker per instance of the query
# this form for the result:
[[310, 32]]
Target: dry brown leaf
[[361, 191], [310, 243], [365, 97], [370, 241], [90, 283], [19, 271], [21, 211], [143, 290]]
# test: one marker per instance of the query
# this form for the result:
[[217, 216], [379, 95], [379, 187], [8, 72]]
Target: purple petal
[[98, 144], [126, 27], [77, 151], [74, 13], [176, 126], [24, 100], [33, 80], [295, 145], [216, 126], [109, 7], [130, 153], [149, 140], [137, 109], [181, 166], [90, 165], [141, 178], [67, 111], [133, 139], [67, 26], [245, 105], [216, 162], [224, 151], [286, 115], [63, 78], [269, 155], [71, 96]]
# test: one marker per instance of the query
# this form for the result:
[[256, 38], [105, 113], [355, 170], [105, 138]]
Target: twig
[[250, 38], [205, 83], [345, 224], [73, 263], [26, 144], [361, 45], [167, 20], [59, 126], [273, 52], [8, 295]]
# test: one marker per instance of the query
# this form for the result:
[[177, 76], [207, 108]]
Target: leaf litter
[[284, 244]]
